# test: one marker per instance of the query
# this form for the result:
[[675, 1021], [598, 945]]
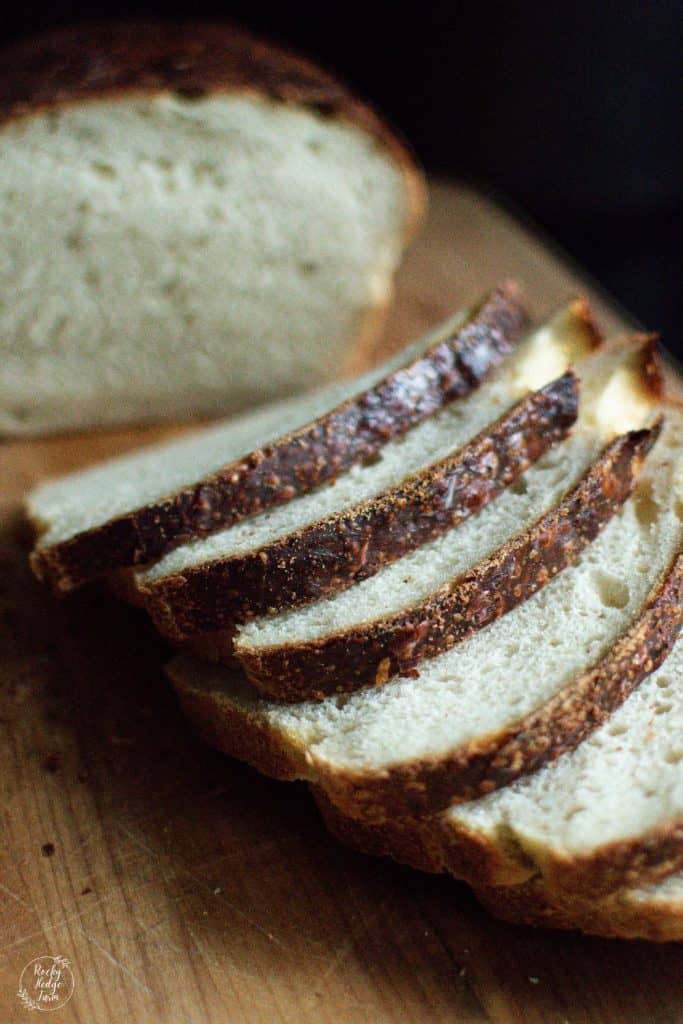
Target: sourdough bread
[[604, 817], [438, 595], [653, 912], [130, 510], [321, 542], [193, 221], [519, 692]]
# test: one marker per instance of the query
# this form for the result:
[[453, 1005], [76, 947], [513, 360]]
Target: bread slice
[[193, 221], [532, 684], [653, 912], [606, 816], [435, 597], [418, 486], [131, 510]]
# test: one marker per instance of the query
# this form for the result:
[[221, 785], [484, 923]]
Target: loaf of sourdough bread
[[193, 221]]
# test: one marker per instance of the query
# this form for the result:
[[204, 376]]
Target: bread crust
[[191, 59], [313, 454], [377, 650], [626, 916], [248, 739], [418, 845], [353, 544]]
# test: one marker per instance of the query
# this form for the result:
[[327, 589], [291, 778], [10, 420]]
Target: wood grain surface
[[185, 889]]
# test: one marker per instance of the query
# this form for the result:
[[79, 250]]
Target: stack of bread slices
[[447, 595]]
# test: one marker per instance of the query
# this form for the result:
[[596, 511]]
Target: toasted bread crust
[[121, 60], [333, 553], [622, 917], [299, 461], [375, 651]]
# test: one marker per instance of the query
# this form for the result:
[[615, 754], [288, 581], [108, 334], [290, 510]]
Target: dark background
[[573, 111]]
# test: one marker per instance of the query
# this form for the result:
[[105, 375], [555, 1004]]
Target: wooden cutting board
[[185, 889]]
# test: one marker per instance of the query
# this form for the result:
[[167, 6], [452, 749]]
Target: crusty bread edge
[[629, 915]]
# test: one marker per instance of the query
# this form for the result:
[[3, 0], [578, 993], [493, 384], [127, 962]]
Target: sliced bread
[[333, 553], [606, 816], [653, 912], [517, 693], [193, 220], [435, 597], [436, 475], [131, 510]]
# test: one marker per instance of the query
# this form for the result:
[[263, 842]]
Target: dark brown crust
[[622, 917], [378, 650], [301, 460], [621, 864], [190, 59], [333, 553]]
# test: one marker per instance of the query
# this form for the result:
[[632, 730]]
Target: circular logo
[[46, 983]]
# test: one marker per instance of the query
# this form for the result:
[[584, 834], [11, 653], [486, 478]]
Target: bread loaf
[[193, 221]]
